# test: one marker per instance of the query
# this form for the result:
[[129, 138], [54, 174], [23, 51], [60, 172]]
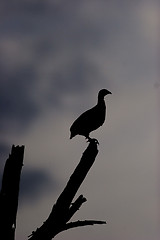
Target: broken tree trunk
[[9, 193], [64, 209]]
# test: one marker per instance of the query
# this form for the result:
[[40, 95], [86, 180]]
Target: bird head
[[103, 92]]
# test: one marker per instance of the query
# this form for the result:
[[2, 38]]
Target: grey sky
[[54, 58]]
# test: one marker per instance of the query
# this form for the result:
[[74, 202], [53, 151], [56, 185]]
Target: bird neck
[[100, 100]]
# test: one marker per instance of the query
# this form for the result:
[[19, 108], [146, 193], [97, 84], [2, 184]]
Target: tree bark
[[9, 193], [64, 209]]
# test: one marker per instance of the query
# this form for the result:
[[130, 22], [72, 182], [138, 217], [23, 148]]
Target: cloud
[[46, 57], [35, 183], [16, 103]]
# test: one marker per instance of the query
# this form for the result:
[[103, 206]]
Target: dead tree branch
[[9, 193], [82, 223], [64, 209]]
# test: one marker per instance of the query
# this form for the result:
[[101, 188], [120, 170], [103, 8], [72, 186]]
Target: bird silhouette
[[91, 119]]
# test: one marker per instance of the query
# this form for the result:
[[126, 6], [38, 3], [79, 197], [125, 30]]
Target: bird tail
[[72, 135]]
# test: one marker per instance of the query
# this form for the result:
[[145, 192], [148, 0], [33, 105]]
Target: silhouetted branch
[[63, 210], [76, 206], [82, 223], [9, 193]]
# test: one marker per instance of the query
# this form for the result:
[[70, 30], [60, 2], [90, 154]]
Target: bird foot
[[92, 140]]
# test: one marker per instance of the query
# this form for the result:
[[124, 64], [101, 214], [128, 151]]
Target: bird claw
[[92, 140]]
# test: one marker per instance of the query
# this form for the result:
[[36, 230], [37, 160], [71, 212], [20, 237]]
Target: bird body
[[91, 119]]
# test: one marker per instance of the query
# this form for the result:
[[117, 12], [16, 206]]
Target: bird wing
[[88, 121]]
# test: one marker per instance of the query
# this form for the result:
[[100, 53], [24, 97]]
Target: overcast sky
[[54, 58]]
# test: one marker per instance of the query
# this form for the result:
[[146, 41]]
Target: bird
[[91, 119]]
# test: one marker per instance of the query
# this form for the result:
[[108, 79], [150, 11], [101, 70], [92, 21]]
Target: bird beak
[[109, 92]]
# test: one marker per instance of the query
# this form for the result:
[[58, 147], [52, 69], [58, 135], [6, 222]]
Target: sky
[[54, 58]]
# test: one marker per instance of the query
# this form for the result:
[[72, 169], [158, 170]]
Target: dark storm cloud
[[34, 183], [49, 41], [16, 103], [57, 51], [24, 5]]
